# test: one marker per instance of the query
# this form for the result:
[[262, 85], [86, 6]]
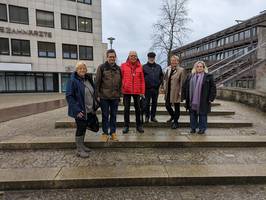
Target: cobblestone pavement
[[230, 192], [123, 157], [11, 100]]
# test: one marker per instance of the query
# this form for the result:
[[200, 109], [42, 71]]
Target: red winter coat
[[132, 78]]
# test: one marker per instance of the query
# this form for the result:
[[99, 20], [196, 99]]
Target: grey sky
[[130, 21]]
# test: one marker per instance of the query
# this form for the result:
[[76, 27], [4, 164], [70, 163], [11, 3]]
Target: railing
[[236, 67]]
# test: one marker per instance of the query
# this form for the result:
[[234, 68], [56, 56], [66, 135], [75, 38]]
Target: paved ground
[[231, 192], [139, 156], [43, 124], [11, 100]]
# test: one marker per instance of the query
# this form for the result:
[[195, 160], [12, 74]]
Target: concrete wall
[[59, 36], [261, 70], [251, 98]]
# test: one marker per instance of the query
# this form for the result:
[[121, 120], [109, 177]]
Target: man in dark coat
[[153, 75], [108, 91]]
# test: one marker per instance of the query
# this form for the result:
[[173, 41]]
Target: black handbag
[[93, 122]]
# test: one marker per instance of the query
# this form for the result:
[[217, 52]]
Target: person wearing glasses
[[108, 91]]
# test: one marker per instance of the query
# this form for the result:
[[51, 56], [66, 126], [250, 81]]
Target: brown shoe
[[104, 138], [114, 137]]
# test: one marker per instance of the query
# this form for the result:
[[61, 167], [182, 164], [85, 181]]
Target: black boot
[[140, 129], [193, 131], [174, 125], [201, 132], [125, 130], [154, 120]]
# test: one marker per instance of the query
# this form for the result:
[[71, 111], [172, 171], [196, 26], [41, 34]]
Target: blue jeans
[[198, 121], [109, 109]]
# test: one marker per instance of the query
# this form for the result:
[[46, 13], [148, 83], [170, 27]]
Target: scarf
[[195, 91]]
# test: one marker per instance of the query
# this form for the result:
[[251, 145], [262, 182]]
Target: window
[[18, 15], [231, 39], [46, 49], [3, 12], [4, 46], [226, 40], [20, 47], [247, 34], [45, 18], [85, 53], [254, 31], [68, 22], [85, 24], [85, 1], [236, 37], [241, 36], [70, 51]]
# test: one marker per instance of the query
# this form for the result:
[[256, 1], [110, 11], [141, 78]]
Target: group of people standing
[[132, 80]]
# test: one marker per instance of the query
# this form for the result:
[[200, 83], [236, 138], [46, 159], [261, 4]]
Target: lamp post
[[111, 40]]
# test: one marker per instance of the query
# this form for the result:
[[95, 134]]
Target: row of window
[[217, 56], [28, 82], [45, 19], [45, 49], [223, 41], [83, 1]]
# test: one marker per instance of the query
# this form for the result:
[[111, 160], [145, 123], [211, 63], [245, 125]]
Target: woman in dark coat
[[80, 98], [199, 91]]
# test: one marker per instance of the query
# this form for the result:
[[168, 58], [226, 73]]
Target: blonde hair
[[79, 64], [196, 64], [176, 57]]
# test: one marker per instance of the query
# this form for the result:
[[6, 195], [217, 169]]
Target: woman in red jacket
[[133, 85]]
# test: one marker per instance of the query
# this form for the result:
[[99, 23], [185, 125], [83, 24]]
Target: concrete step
[[30, 109], [130, 175], [140, 141], [183, 122], [163, 111], [162, 104]]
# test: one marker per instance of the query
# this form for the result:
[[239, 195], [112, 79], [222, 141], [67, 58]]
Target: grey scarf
[[89, 91]]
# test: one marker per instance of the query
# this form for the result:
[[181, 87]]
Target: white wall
[[59, 36]]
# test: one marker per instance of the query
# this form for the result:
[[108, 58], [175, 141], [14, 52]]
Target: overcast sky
[[130, 21]]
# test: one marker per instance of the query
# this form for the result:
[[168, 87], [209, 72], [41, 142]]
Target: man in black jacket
[[153, 79]]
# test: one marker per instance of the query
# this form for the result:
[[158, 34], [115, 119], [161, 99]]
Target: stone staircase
[[161, 172]]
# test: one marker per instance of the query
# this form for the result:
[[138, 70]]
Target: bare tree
[[170, 30]]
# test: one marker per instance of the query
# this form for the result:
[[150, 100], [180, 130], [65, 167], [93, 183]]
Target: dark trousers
[[109, 109], [198, 121], [173, 113], [81, 127], [127, 102], [151, 95]]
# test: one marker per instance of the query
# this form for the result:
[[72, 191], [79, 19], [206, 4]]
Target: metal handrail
[[263, 45], [236, 59], [241, 72], [228, 58]]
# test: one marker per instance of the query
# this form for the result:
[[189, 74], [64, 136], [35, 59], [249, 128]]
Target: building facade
[[42, 40], [232, 42]]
